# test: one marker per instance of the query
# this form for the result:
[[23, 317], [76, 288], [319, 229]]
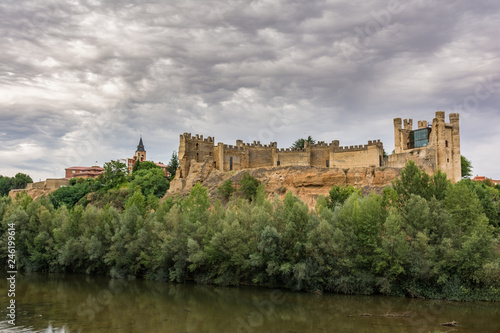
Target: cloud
[[80, 81]]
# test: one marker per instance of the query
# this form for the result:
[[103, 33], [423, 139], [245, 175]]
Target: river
[[77, 303]]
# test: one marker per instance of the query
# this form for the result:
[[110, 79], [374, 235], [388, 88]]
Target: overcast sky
[[82, 80]]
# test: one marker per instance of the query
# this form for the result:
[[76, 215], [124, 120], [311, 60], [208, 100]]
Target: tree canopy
[[299, 143], [173, 165], [466, 167], [114, 174], [19, 181]]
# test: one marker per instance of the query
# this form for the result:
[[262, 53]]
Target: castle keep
[[255, 155], [430, 147]]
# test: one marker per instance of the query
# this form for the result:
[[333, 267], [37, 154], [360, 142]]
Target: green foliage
[[114, 174], [150, 181], [146, 165], [248, 185], [70, 195], [5, 185], [138, 201], [417, 182], [466, 167], [436, 245], [173, 165], [299, 143], [411, 181], [136, 166], [19, 181], [488, 197], [226, 189], [339, 194]]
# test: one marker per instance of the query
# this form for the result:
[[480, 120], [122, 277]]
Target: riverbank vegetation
[[423, 237]]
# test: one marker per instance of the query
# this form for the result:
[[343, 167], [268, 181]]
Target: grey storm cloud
[[80, 81]]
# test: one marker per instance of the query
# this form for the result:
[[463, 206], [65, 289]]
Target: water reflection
[[75, 303]]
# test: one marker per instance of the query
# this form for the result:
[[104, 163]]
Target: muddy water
[[76, 303]]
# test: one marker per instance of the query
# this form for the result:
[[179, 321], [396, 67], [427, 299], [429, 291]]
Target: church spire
[[140, 146]]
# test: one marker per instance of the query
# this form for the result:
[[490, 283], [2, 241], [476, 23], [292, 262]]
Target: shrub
[[226, 189], [249, 186]]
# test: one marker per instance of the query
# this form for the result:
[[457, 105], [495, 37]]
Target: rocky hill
[[306, 182]]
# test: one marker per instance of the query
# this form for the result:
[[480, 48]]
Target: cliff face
[[35, 193], [306, 182]]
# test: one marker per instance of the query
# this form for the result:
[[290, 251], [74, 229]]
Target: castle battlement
[[289, 150], [232, 147], [197, 137], [374, 142], [243, 155], [352, 148]]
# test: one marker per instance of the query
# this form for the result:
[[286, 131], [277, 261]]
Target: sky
[[82, 80]]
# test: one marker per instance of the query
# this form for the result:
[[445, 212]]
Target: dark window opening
[[419, 138], [196, 146], [446, 142], [447, 160], [230, 163], [380, 160], [197, 157], [278, 163], [327, 163]]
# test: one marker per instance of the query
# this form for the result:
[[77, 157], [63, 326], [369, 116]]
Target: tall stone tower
[[140, 153], [430, 147]]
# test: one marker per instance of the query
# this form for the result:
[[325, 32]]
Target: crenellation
[[432, 148], [408, 124], [246, 155]]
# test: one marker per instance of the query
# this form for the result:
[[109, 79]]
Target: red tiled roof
[[86, 168]]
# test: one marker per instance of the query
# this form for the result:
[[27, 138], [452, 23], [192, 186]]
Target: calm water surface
[[75, 303]]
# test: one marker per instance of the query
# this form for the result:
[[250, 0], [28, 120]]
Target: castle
[[432, 148]]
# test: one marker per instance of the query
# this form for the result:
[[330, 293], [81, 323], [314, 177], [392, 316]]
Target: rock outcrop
[[35, 193], [306, 182]]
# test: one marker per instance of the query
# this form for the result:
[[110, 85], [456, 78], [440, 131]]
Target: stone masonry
[[225, 157], [430, 147]]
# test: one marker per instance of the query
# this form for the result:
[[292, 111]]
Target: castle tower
[[140, 153], [398, 148], [431, 148], [455, 142]]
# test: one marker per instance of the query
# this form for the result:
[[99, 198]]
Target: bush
[[339, 194], [249, 186], [226, 189]]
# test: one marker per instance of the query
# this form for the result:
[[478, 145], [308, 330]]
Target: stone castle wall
[[441, 151], [241, 156]]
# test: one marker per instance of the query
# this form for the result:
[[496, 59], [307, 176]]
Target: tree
[[339, 194], [136, 166], [70, 195], [151, 181], [173, 165], [249, 186], [411, 181], [114, 174], [20, 180], [301, 142], [146, 165], [5, 185], [466, 167], [226, 189]]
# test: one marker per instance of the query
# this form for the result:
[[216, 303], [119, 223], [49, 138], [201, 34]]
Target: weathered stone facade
[[255, 155], [430, 147]]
